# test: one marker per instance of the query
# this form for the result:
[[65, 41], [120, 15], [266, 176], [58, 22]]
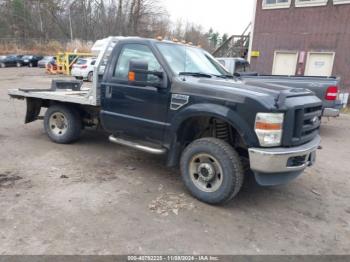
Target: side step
[[138, 146]]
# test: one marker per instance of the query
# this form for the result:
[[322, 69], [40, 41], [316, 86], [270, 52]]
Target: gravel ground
[[94, 197]]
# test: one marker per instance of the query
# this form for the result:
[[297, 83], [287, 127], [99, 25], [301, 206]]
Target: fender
[[210, 110]]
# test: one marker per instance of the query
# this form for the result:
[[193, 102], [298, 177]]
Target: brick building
[[302, 37]]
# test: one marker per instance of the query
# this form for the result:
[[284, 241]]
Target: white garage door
[[285, 63], [319, 64]]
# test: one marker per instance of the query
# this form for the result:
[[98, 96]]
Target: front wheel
[[18, 64], [62, 124], [2, 65], [212, 170]]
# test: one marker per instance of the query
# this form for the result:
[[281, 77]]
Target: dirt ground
[[94, 197]]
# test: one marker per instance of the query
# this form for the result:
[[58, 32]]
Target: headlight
[[268, 128]]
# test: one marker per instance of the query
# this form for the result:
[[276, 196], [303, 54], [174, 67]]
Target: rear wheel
[[62, 124], [90, 77], [212, 170], [18, 64], [31, 65], [2, 65]]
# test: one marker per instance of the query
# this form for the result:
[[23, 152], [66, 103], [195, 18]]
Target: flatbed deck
[[67, 91], [77, 97]]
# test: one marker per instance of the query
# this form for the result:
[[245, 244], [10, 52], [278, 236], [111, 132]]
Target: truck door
[[133, 109]]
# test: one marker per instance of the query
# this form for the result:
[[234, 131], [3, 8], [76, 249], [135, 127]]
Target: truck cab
[[176, 100]]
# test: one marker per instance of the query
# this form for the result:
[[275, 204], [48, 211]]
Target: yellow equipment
[[64, 62]]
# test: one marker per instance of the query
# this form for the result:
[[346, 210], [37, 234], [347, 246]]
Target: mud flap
[[33, 110]]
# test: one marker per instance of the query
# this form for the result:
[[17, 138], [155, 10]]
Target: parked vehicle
[[45, 61], [84, 68], [29, 60], [176, 100], [10, 60], [235, 64], [325, 88]]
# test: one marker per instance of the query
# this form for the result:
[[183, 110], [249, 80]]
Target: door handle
[[108, 92]]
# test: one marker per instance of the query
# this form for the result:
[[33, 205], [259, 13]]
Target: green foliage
[[224, 38]]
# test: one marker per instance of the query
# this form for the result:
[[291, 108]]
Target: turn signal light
[[131, 76], [268, 126]]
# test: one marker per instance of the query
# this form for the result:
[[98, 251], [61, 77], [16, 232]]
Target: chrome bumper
[[331, 112], [280, 160]]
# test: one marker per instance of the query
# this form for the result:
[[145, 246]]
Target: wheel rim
[[90, 77], [58, 124], [18, 65], [2, 65], [206, 172]]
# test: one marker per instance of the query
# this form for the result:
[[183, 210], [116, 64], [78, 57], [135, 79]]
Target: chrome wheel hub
[[206, 172], [58, 124]]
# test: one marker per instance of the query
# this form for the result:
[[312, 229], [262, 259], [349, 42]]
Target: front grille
[[307, 124]]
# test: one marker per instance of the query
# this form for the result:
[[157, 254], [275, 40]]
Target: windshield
[[81, 62], [186, 59]]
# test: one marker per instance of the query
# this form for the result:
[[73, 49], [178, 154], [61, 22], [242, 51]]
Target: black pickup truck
[[174, 99]]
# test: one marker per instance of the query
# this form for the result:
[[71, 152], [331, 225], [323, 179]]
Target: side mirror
[[138, 74]]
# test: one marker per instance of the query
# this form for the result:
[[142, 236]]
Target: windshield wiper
[[196, 74], [224, 76]]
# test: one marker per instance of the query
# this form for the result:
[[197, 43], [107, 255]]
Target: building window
[[340, 2], [273, 4], [303, 3]]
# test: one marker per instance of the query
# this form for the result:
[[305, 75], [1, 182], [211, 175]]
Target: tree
[[214, 39], [90, 20], [224, 38]]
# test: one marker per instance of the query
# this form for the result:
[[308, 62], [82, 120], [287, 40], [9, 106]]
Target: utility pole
[[70, 22]]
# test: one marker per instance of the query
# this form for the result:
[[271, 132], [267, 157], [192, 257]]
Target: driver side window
[[136, 52]]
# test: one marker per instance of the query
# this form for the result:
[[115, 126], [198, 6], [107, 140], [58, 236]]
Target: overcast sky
[[225, 16]]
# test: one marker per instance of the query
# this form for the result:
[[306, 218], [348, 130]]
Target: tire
[[18, 64], [207, 156], [62, 124], [2, 65], [90, 77]]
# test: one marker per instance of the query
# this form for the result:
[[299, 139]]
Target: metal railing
[[235, 46]]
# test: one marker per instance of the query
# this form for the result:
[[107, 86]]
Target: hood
[[275, 89], [235, 90]]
